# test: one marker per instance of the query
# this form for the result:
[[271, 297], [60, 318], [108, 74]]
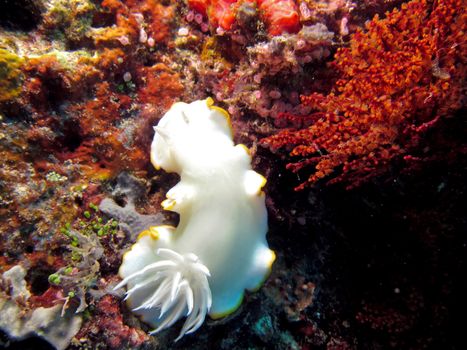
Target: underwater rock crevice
[[22, 15]]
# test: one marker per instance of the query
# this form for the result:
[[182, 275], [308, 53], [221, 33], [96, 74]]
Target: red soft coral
[[397, 79]]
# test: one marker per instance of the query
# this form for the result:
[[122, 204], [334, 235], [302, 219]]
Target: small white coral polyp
[[219, 248]]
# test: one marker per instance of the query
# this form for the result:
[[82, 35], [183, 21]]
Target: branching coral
[[399, 78]]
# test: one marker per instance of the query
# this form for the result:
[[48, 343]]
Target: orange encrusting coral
[[160, 85], [281, 16], [158, 21], [47, 74], [221, 13], [200, 6], [398, 78], [126, 25], [102, 141]]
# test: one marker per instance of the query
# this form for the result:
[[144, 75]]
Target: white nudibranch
[[219, 248]]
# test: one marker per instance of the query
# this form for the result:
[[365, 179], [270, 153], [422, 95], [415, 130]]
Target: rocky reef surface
[[353, 110]]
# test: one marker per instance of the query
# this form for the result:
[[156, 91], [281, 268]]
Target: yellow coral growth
[[10, 75]]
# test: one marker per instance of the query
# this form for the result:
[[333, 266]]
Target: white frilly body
[[219, 248]]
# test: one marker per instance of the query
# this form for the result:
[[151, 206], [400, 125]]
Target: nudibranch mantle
[[219, 248]]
